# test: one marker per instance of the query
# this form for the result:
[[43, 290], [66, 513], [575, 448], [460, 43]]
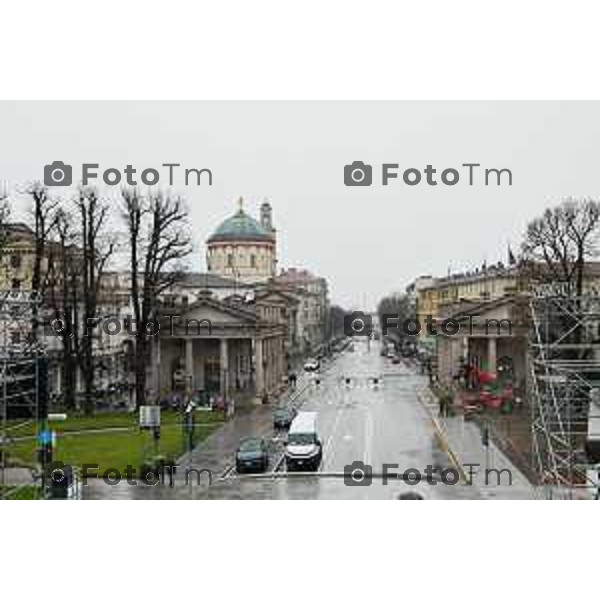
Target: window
[[15, 261], [230, 260], [253, 261], [16, 284], [15, 337]]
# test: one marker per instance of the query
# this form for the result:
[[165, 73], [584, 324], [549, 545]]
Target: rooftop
[[210, 280]]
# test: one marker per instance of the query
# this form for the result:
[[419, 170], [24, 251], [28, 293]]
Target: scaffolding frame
[[19, 376], [564, 369]]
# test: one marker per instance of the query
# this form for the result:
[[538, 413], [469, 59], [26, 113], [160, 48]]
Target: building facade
[[491, 295], [228, 347], [258, 321], [433, 295], [312, 312]]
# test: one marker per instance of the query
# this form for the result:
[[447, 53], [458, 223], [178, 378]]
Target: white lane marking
[[227, 472], [368, 436], [327, 451], [278, 463]]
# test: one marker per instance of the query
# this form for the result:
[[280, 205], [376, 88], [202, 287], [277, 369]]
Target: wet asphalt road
[[356, 422]]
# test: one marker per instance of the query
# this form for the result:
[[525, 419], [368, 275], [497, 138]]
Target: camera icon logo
[[358, 474], [58, 173], [59, 475], [357, 323], [60, 325], [358, 173]]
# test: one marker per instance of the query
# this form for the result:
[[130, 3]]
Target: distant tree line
[[397, 304]]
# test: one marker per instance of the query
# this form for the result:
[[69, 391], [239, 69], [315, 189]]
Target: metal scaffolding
[[19, 382], [565, 371]]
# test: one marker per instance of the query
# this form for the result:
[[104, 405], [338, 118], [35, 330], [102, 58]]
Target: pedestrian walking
[[292, 378], [446, 398], [430, 370], [442, 399]]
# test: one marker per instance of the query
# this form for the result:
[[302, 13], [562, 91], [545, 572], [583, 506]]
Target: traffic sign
[[149, 416], [57, 416], [45, 437]]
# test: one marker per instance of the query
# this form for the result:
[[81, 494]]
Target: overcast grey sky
[[367, 241]]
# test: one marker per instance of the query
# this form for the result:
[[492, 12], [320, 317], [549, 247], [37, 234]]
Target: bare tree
[[43, 210], [335, 321], [63, 297], [77, 253], [4, 222], [158, 242], [4, 235], [556, 248], [396, 304], [96, 248], [558, 244]]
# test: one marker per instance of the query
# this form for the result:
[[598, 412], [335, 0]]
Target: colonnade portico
[[244, 364], [238, 355], [492, 337]]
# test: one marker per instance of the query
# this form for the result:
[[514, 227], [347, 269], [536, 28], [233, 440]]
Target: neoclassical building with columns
[[230, 347], [217, 335]]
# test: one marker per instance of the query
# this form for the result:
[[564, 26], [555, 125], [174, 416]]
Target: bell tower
[[266, 217]]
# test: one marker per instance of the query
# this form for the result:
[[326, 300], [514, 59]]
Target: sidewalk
[[463, 441]]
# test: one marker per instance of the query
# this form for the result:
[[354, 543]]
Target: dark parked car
[[312, 365], [283, 417], [252, 455]]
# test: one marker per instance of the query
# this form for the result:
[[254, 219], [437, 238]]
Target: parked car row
[[303, 448]]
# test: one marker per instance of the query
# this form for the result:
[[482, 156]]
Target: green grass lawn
[[24, 492], [116, 449], [78, 422]]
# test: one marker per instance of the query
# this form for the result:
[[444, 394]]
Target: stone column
[[492, 363], [465, 348], [268, 363], [258, 358], [189, 365], [282, 359], [278, 362], [248, 377], [271, 366], [224, 364]]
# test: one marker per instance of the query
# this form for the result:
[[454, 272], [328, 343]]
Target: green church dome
[[240, 227]]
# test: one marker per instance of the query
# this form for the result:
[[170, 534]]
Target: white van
[[303, 451]]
